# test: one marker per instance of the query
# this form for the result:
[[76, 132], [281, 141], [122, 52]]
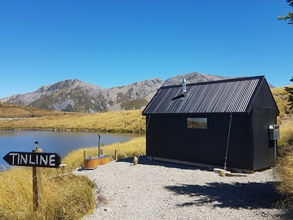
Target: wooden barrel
[[104, 159], [91, 162]]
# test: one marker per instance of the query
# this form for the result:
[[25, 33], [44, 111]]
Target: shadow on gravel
[[145, 161], [237, 195]]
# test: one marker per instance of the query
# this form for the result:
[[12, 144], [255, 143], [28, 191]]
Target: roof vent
[[183, 86]]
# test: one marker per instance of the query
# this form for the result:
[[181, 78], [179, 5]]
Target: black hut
[[227, 123]]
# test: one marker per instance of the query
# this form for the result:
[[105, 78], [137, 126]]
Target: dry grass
[[285, 144], [284, 168], [285, 171], [134, 147], [281, 98], [12, 111], [64, 196], [118, 121]]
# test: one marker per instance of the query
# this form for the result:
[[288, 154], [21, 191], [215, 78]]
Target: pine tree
[[289, 16], [289, 89]]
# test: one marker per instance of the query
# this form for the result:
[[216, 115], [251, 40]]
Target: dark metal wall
[[240, 151], [264, 114], [168, 137]]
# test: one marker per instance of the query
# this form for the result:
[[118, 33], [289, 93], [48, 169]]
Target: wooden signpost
[[35, 159]]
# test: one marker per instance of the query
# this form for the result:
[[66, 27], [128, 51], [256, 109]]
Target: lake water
[[55, 142]]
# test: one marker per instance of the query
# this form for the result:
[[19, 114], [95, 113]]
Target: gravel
[[160, 190]]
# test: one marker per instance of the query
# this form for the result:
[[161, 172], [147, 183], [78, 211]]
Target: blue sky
[[113, 43]]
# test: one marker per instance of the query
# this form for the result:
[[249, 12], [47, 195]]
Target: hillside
[[281, 98], [10, 111], [24, 118], [73, 95], [77, 96]]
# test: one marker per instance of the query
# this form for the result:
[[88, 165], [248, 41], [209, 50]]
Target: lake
[[55, 142]]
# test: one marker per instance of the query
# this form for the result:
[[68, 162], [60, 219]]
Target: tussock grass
[[12, 111], [75, 159], [284, 168], [134, 147], [64, 196], [118, 121], [285, 172], [285, 144], [281, 98]]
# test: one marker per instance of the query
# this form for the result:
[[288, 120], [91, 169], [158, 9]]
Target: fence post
[[116, 154], [37, 183]]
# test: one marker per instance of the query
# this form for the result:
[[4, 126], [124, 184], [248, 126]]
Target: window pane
[[200, 123]]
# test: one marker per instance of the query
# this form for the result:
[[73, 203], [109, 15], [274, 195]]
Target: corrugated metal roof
[[223, 96]]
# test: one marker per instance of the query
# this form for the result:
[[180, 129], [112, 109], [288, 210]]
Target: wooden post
[[37, 183], [99, 146], [135, 160], [84, 156], [116, 154]]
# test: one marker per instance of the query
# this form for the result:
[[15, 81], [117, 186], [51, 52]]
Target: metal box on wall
[[274, 132]]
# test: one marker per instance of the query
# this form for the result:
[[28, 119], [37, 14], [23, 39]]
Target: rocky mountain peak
[[75, 95], [193, 77]]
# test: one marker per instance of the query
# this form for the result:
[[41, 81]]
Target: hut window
[[199, 123]]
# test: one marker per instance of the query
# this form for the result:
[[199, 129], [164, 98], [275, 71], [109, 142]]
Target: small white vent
[[183, 86]]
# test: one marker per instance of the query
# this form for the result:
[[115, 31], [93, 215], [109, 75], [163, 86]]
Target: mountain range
[[73, 95]]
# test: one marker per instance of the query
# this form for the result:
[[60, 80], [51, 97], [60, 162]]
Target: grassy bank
[[284, 168], [122, 121], [64, 196], [13, 111]]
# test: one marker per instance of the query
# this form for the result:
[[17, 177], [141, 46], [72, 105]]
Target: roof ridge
[[220, 81]]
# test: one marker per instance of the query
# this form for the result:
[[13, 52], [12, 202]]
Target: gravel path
[[157, 190]]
